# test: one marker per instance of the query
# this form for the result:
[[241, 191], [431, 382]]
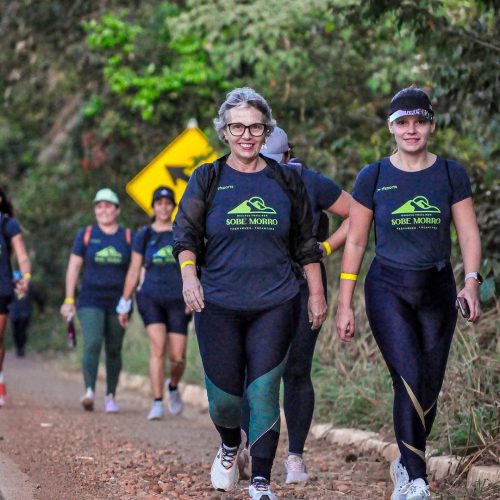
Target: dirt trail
[[71, 454]]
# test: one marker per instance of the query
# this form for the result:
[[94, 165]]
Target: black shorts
[[5, 300], [169, 312]]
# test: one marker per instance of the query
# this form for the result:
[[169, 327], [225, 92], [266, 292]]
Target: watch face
[[479, 278]]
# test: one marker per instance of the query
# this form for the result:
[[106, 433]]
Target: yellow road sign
[[171, 168]]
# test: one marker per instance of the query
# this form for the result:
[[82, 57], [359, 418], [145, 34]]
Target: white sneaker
[[88, 399], [399, 477], [175, 404], [224, 473], [244, 460], [156, 412], [110, 405], [296, 470], [261, 490], [417, 489]]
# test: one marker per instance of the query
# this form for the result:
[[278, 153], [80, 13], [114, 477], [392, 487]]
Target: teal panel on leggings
[[263, 397], [224, 408]]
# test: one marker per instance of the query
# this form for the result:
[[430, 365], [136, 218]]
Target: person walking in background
[[103, 250], [241, 222], [323, 195], [20, 312], [410, 290], [11, 239], [160, 302]]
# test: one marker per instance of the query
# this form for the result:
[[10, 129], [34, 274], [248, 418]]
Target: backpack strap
[[373, 197], [86, 236], [148, 232]]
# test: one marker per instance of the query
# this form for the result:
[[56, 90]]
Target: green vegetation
[[92, 91]]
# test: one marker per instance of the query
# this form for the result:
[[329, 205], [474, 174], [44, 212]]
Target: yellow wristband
[[187, 263], [328, 248], [69, 300], [27, 276], [348, 276]]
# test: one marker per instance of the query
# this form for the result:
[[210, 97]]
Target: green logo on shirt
[[252, 214], [164, 256], [108, 255], [417, 204], [255, 205], [416, 213]]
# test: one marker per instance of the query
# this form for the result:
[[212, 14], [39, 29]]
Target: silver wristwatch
[[474, 275]]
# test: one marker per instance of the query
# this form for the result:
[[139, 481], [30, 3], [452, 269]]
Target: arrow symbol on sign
[[177, 172]]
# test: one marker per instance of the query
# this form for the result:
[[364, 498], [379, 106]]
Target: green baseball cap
[[107, 194]]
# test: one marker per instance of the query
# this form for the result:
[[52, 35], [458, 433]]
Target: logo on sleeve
[[416, 213], [108, 255], [164, 256], [252, 214]]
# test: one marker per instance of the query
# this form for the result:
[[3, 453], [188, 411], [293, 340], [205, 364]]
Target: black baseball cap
[[410, 102], [163, 192]]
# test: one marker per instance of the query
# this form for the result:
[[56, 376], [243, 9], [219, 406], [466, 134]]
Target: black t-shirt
[[322, 193], [247, 263], [163, 276], [412, 210], [106, 260], [8, 229]]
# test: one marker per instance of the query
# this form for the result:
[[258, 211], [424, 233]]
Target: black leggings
[[20, 331], [412, 315], [252, 343], [298, 398]]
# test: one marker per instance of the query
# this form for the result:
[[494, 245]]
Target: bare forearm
[[471, 252], [187, 261], [22, 257], [351, 264], [337, 239], [133, 275], [72, 276], [131, 283]]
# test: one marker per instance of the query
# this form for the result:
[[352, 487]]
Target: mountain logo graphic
[[164, 255], [419, 204], [108, 255], [255, 205]]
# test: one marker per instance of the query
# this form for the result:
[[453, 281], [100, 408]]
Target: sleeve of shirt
[[189, 223], [138, 243], [78, 247], [365, 185], [460, 182], [327, 191], [12, 228]]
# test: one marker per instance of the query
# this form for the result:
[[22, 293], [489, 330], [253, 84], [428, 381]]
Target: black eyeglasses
[[238, 129]]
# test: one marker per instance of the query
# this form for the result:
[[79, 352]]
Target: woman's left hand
[[316, 309], [470, 292], [22, 286]]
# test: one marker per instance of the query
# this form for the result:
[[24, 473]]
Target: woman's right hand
[[345, 323], [193, 293], [123, 320], [67, 311]]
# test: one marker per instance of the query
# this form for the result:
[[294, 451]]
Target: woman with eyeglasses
[[240, 223]]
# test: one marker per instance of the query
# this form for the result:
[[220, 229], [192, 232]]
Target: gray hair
[[241, 97]]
